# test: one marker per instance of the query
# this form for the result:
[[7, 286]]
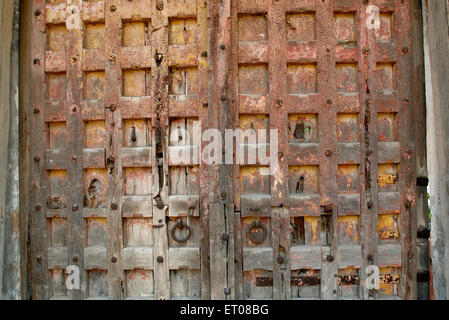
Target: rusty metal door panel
[[114, 81]]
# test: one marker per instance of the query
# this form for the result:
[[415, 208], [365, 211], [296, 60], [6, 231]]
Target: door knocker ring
[[257, 237], [181, 225]]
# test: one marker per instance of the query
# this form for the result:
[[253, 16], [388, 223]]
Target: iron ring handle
[[255, 225], [181, 225]]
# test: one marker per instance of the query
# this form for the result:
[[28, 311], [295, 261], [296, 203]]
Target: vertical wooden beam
[[404, 79], [369, 151], [277, 70], [39, 236], [113, 124], [419, 133], [160, 121], [202, 43], [235, 199], [25, 165], [328, 141], [221, 223], [74, 151]]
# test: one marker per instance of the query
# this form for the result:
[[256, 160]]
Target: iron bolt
[[329, 101], [279, 103], [223, 98], [112, 107], [227, 291], [328, 207], [75, 207], [75, 259], [74, 158], [408, 203], [114, 259], [370, 204], [365, 51], [158, 57], [74, 59], [74, 109], [370, 257], [204, 54], [39, 259], [114, 206], [222, 46], [280, 259], [368, 101], [205, 105], [160, 5], [225, 236], [329, 153], [280, 154], [410, 255], [38, 207], [330, 258], [160, 259], [37, 13], [405, 49], [36, 111], [113, 8], [37, 159], [36, 61]]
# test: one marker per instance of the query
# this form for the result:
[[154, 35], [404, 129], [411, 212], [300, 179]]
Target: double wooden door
[[114, 81]]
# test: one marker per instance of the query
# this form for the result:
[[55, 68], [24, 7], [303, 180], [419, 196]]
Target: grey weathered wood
[[329, 273], [349, 256], [136, 157], [57, 257], [114, 153], [389, 255], [39, 239], [137, 206], [94, 158], [137, 258], [183, 205], [257, 258], [305, 257], [95, 257], [218, 250], [183, 258]]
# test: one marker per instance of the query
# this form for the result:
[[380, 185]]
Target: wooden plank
[[327, 117], [160, 121], [95, 257], [257, 258], [280, 222], [183, 258], [218, 251], [138, 258], [404, 68], [305, 257], [202, 111], [114, 139], [184, 205], [39, 236], [75, 125]]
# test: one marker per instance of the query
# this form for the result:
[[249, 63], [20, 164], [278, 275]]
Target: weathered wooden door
[[114, 82]]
